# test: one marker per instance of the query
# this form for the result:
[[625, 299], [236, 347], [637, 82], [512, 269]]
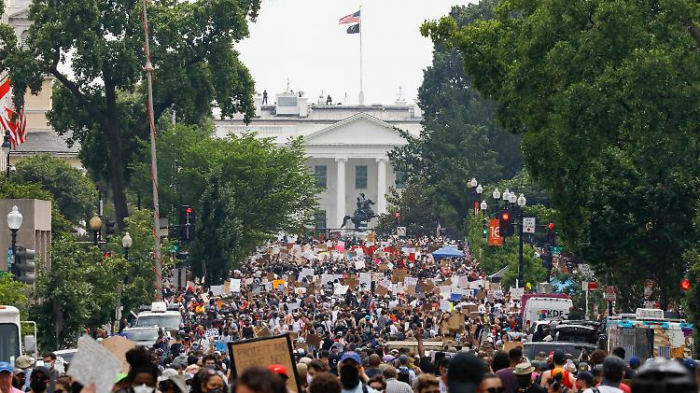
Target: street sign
[[174, 248], [556, 250], [610, 294], [529, 225], [9, 259], [400, 231], [589, 286], [495, 238]]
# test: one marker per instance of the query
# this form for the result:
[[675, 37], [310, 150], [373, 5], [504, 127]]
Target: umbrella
[[448, 252]]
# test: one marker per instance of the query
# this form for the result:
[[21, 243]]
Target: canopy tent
[[496, 277], [448, 252], [561, 286]]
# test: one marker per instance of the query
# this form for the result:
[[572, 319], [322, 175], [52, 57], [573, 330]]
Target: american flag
[[352, 18], [10, 120]]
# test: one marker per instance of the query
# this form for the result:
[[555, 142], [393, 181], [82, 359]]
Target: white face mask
[[309, 378], [143, 389]]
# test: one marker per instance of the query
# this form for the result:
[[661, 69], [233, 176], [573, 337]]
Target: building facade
[[347, 147], [41, 138]]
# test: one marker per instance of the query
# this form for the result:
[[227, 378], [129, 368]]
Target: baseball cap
[[465, 372], [352, 356], [279, 369], [6, 367]]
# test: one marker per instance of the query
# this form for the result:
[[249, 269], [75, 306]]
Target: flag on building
[[10, 119], [352, 18], [354, 29]]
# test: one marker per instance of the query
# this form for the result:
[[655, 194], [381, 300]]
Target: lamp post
[[95, 226], [6, 147], [14, 222], [127, 242], [521, 203]]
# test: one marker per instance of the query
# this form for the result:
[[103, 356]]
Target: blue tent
[[448, 252]]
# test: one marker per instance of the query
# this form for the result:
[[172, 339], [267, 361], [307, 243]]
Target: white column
[[340, 191], [381, 185]]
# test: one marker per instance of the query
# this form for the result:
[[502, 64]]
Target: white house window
[[321, 172], [320, 220], [360, 177]]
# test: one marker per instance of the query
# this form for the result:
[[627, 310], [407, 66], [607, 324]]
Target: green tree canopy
[[604, 94], [243, 189], [460, 139], [100, 97], [74, 194]]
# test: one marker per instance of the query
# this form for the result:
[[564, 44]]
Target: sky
[[301, 40]]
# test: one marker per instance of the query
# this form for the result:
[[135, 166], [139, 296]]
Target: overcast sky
[[302, 40]]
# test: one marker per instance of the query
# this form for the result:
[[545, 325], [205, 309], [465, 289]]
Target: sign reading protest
[[264, 352]]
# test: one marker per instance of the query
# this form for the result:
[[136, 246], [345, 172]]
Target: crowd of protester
[[450, 329]]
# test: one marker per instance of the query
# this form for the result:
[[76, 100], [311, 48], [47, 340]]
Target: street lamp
[[479, 189], [14, 222], [496, 194], [127, 242], [95, 225], [484, 206], [473, 183], [6, 147], [521, 266]]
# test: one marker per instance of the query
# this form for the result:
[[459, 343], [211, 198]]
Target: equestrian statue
[[362, 215]]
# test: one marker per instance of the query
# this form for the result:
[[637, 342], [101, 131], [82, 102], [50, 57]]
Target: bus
[[10, 330]]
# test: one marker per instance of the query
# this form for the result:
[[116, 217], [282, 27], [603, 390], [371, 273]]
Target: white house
[[346, 145]]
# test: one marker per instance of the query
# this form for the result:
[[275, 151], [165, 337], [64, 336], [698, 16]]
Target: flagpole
[[362, 93]]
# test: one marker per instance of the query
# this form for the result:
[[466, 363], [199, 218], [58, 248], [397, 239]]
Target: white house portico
[[347, 149]]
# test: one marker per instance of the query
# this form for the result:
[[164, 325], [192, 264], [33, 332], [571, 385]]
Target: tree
[[76, 292], [460, 139], [13, 293], [75, 195], [415, 209], [100, 100], [243, 189], [603, 94]]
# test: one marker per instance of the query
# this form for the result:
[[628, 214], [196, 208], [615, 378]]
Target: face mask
[[216, 390], [142, 389], [38, 385], [211, 366], [309, 378], [349, 376]]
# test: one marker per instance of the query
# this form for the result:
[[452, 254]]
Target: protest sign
[[94, 364], [211, 333], [216, 290], [359, 265], [366, 280], [118, 346], [398, 275], [341, 290], [408, 281], [314, 339], [235, 285], [264, 352]]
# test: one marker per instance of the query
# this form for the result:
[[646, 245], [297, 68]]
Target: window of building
[[320, 220], [361, 177], [321, 172], [400, 179]]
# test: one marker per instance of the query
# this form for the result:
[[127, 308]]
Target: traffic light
[[187, 221], [685, 284], [505, 222], [109, 228], [551, 235], [485, 228], [25, 267]]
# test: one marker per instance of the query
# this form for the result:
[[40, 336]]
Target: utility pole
[[148, 68]]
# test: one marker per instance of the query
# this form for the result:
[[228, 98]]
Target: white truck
[[160, 316], [10, 331], [545, 307]]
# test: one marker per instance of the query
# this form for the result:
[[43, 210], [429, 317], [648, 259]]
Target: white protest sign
[[366, 280], [305, 273], [517, 293], [235, 285], [94, 364], [445, 305], [341, 289], [211, 333], [359, 265], [217, 290], [327, 278], [408, 281]]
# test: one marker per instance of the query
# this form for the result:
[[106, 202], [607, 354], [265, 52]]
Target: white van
[[159, 316], [10, 343]]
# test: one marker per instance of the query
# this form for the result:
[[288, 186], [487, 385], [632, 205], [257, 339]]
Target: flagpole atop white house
[[362, 93]]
